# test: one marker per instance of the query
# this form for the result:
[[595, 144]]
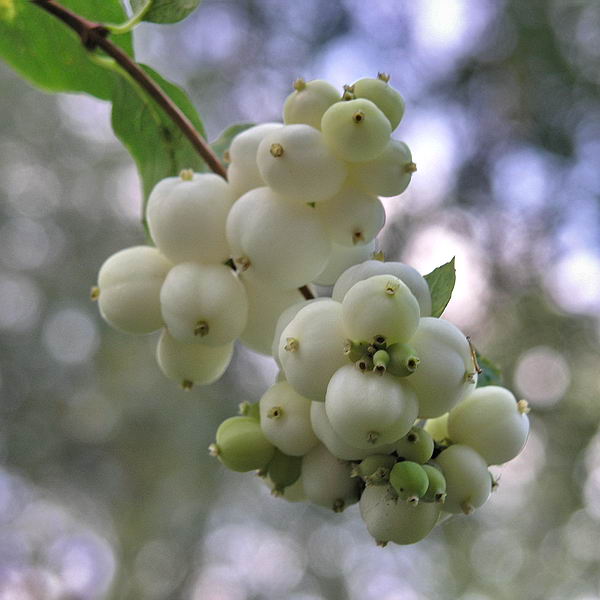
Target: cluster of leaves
[[51, 56]]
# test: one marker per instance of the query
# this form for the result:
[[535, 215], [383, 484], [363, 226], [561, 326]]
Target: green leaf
[[490, 372], [50, 54], [441, 283], [222, 143], [165, 11], [158, 147]]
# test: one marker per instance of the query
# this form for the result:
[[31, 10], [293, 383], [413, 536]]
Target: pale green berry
[[436, 489], [409, 480], [128, 291], [292, 493], [381, 93], [356, 130], [403, 360], [381, 305], [438, 428], [366, 409], [491, 421], [375, 469], [390, 520], [250, 409], [285, 419], [309, 100], [468, 483], [190, 364], [387, 175], [416, 445], [296, 164], [186, 217], [204, 304], [241, 445], [284, 471], [411, 277]]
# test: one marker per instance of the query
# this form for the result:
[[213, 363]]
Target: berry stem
[[94, 35]]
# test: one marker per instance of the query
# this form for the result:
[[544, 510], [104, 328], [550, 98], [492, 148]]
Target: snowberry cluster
[[300, 205], [361, 372], [376, 400]]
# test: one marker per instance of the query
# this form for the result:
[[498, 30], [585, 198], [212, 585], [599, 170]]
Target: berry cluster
[[360, 374]]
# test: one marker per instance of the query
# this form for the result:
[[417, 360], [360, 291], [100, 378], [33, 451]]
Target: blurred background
[[106, 488]]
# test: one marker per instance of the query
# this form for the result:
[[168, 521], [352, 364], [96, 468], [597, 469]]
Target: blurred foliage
[[105, 481]]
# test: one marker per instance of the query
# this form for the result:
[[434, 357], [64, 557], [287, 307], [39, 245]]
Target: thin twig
[[94, 35]]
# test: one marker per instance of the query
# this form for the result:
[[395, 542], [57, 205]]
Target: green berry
[[375, 469], [416, 446], [403, 360], [284, 470], [409, 480], [436, 490]]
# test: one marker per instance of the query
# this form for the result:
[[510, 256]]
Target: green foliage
[[164, 11], [441, 283], [490, 372], [222, 143], [49, 54], [159, 148]]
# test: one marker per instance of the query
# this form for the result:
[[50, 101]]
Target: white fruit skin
[[129, 283], [391, 520], [359, 403], [265, 304], [192, 362], [284, 320], [410, 276], [489, 421], [287, 245], [387, 99], [308, 104], [438, 428], [334, 443], [386, 175], [307, 171], [341, 258], [291, 432], [193, 292], [326, 479], [187, 218], [292, 493], [349, 212], [243, 173], [468, 482], [318, 331], [368, 310], [442, 379], [352, 142]]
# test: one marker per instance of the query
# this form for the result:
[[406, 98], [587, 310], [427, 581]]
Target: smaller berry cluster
[[345, 422]]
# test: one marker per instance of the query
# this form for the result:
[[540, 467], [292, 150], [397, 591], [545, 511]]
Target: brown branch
[[94, 35], [305, 291]]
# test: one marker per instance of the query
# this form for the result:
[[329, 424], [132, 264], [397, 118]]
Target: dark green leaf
[[165, 11], [222, 143], [157, 145], [50, 55], [441, 283], [490, 372]]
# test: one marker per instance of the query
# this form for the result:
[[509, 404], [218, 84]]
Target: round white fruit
[[368, 409], [356, 130], [295, 162], [387, 175], [468, 482], [204, 303], [383, 95], [309, 100], [192, 363], [129, 285], [334, 443], [311, 348], [282, 244], [492, 422], [410, 276], [382, 305], [446, 373], [352, 217], [327, 480], [265, 304], [389, 519], [285, 420], [186, 217]]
